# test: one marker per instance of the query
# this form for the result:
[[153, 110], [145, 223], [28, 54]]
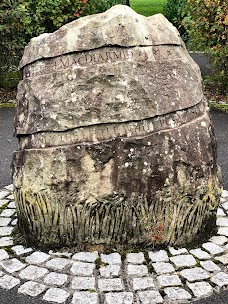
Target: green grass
[[148, 7]]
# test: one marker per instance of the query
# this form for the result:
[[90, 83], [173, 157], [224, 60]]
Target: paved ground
[[8, 144]]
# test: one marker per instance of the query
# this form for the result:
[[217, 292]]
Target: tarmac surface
[[8, 144]]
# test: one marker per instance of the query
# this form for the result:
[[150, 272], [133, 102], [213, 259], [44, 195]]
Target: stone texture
[[149, 297], [86, 256], [200, 289], [6, 231], [57, 263], [37, 257], [110, 284], [220, 212], [84, 297], [8, 282], [7, 212], [222, 221], [176, 293], [9, 187], [56, 295], [224, 193], [119, 297], [137, 270], [161, 267], [3, 202], [4, 221], [33, 272], [3, 255], [83, 283], [200, 254], [181, 261], [143, 283], [109, 271], [54, 278], [220, 279], [82, 269], [169, 280], [32, 289], [12, 265], [6, 241], [3, 194], [194, 274], [21, 250], [135, 258], [223, 259], [118, 105], [223, 231], [213, 248], [112, 258], [12, 205], [210, 266], [179, 251], [159, 256]]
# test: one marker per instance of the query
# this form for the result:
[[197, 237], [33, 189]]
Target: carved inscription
[[105, 55]]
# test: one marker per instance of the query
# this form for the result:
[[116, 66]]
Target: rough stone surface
[[32, 289], [120, 105], [222, 221], [109, 271], [3, 255], [54, 278], [21, 250], [149, 297], [137, 270], [161, 267], [12, 205], [12, 265], [200, 289], [7, 212], [200, 254], [56, 295], [194, 274], [85, 256], [220, 212], [110, 284], [218, 240], [84, 297], [8, 282], [37, 257], [220, 279], [83, 283], [135, 258], [82, 269], [159, 256], [3, 202], [3, 194], [213, 248], [57, 263], [210, 266], [143, 283], [183, 261], [223, 259], [176, 293], [33, 272], [6, 231], [223, 231], [179, 251], [6, 241], [4, 221], [119, 297], [169, 280], [112, 258]]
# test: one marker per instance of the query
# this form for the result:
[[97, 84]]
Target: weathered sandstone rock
[[115, 141]]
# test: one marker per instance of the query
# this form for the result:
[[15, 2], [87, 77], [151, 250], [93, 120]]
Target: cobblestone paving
[[175, 275]]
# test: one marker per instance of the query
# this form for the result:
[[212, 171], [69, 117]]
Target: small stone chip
[[85, 297], [6, 231], [111, 259], [137, 270], [185, 260], [159, 256], [37, 257], [200, 289], [89, 257], [174, 251], [135, 258], [12, 265], [169, 280], [57, 263], [142, 283], [194, 274], [220, 279], [119, 297], [200, 254], [32, 289], [32, 272], [6, 241], [110, 271], [82, 269], [213, 248], [3, 255], [210, 266], [176, 293], [54, 278], [223, 259], [161, 267], [149, 297], [8, 282], [56, 295], [110, 284], [83, 283]]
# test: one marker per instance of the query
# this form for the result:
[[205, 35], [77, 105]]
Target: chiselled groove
[[103, 132]]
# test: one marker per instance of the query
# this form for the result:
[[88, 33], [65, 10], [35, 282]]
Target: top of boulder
[[118, 26]]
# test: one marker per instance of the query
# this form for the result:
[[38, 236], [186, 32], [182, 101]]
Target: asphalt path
[[8, 144]]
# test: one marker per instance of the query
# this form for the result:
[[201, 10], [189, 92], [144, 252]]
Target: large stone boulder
[[115, 141]]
